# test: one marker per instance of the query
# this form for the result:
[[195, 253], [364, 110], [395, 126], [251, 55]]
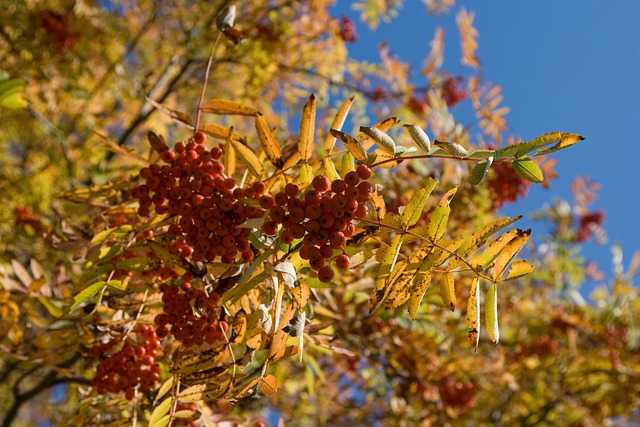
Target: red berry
[[199, 137], [270, 228], [325, 274], [364, 172], [291, 189], [352, 178], [343, 261], [321, 183], [266, 201], [338, 186], [259, 187]]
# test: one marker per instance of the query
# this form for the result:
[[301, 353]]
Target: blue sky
[[572, 66]]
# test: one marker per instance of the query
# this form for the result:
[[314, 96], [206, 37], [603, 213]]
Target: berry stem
[[204, 84]]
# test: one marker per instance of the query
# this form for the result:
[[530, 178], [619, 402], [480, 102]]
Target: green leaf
[[527, 169], [85, 294], [480, 170], [440, 216], [413, 211], [481, 154], [540, 141], [452, 148], [566, 141], [138, 264], [115, 232], [491, 313], [119, 285]]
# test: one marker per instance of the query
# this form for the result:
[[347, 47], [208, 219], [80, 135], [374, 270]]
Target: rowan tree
[[214, 214]]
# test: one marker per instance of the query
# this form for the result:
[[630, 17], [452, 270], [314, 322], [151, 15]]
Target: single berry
[[325, 274], [321, 183], [364, 172], [343, 261]]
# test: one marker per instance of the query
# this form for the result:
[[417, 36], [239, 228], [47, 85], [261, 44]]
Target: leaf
[[468, 36], [473, 313], [480, 170], [538, 142], [160, 411], [120, 285], [566, 141], [269, 385], [413, 211], [452, 148], [518, 269], [354, 147], [114, 232], [491, 313], [307, 129], [482, 261], [440, 216], [138, 264], [248, 157], [387, 263], [384, 141], [268, 142], [239, 327], [179, 117], [510, 251], [383, 126], [157, 142], [419, 137], [216, 131], [337, 123], [224, 107], [198, 392], [171, 260], [448, 290], [436, 55], [419, 287], [85, 294], [199, 359], [527, 169], [165, 387]]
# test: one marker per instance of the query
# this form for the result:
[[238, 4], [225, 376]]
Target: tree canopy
[[214, 214]]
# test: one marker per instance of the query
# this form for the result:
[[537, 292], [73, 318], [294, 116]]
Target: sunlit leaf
[[510, 251], [419, 137], [224, 107], [413, 211], [239, 327], [307, 129], [216, 131], [527, 169], [269, 385], [160, 411], [418, 288], [440, 216], [248, 157], [491, 313], [452, 148], [482, 261], [114, 232], [473, 313], [353, 146], [448, 290], [384, 141], [387, 263], [538, 142], [566, 141], [518, 269], [85, 294], [337, 123], [268, 142]]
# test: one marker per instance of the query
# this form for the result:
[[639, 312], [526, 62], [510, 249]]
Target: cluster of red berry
[[322, 217], [134, 365], [455, 393], [209, 207], [505, 184], [189, 315], [347, 30], [589, 222], [451, 92]]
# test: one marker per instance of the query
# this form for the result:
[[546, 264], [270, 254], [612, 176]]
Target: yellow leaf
[[468, 35], [160, 411], [436, 57], [330, 169], [269, 385], [353, 146], [239, 327], [248, 157], [473, 313], [518, 269], [418, 289], [413, 211], [268, 142], [307, 129], [491, 313], [337, 123], [448, 290], [440, 216], [387, 263], [216, 131], [510, 251], [170, 259], [482, 261], [224, 107]]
